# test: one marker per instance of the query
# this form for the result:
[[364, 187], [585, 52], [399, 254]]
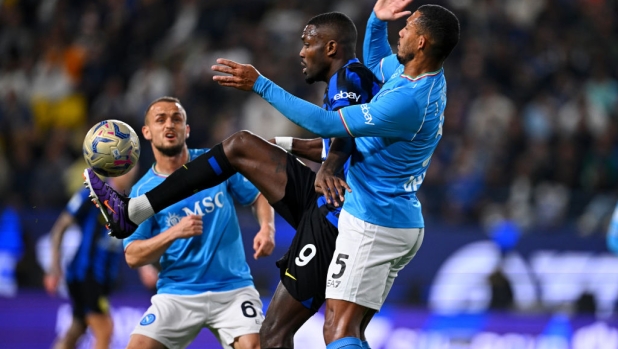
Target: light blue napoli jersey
[[213, 261], [395, 133]]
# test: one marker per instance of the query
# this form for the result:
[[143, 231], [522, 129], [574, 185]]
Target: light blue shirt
[[213, 261], [395, 134]]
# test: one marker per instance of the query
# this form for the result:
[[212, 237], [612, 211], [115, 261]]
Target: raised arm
[[377, 53]]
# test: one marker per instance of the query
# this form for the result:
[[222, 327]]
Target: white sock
[[140, 209]]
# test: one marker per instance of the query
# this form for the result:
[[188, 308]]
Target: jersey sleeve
[[79, 203], [394, 114], [304, 114], [243, 191], [347, 89], [144, 231], [377, 53]]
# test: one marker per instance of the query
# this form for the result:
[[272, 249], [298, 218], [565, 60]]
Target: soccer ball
[[111, 148]]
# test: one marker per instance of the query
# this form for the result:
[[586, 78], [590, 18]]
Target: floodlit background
[[517, 199]]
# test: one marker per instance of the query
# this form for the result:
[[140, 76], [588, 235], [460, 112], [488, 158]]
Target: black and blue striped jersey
[[351, 84], [98, 255]]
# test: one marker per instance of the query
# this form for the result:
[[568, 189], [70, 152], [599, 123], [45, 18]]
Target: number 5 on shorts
[[341, 261]]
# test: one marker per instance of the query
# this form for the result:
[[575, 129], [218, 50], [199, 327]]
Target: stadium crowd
[[529, 135]]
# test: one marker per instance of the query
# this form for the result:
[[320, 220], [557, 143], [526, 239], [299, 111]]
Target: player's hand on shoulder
[[264, 243], [242, 76], [391, 10], [331, 186], [189, 226]]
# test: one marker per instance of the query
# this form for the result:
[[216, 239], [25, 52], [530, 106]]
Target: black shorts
[[88, 296], [304, 267]]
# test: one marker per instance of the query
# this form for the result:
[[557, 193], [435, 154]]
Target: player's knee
[[239, 143]]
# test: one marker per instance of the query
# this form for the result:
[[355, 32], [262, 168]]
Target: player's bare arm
[[142, 252], [242, 76], [391, 10], [264, 240], [327, 180], [53, 276]]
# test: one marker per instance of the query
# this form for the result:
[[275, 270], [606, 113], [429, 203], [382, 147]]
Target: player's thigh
[[401, 263], [235, 313], [138, 341], [173, 320], [365, 254], [303, 268]]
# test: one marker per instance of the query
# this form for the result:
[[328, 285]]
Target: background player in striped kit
[[93, 270]]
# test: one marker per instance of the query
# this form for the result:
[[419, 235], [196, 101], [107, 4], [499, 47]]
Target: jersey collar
[[422, 76]]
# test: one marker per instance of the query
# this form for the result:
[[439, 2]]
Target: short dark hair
[[161, 99], [343, 28], [443, 27]]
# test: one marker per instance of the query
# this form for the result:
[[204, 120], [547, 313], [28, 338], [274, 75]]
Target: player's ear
[[331, 48], [422, 42], [188, 131], [146, 133]]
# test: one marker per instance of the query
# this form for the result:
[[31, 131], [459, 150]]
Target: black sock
[[206, 171]]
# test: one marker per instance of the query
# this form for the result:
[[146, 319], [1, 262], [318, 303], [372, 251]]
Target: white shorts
[[367, 259], [175, 320]]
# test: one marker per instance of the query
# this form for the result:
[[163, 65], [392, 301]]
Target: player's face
[[408, 40], [166, 127], [313, 55]]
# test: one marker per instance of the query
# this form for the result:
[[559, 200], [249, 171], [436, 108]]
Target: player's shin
[[207, 170]]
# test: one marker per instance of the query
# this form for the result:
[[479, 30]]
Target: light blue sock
[[347, 343], [365, 345]]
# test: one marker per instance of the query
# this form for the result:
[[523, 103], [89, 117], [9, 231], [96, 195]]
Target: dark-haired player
[[328, 54]]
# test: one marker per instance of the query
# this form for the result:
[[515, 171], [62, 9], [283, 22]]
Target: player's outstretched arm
[[242, 76], [141, 252], [264, 240]]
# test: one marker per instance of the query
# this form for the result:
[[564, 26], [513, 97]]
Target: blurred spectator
[[11, 248]]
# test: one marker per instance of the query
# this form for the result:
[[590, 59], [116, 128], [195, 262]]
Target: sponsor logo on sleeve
[[347, 95], [366, 114]]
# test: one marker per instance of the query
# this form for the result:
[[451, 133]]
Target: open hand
[[391, 10], [242, 76]]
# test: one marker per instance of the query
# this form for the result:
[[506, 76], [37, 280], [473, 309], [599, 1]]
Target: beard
[[406, 58], [170, 150]]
